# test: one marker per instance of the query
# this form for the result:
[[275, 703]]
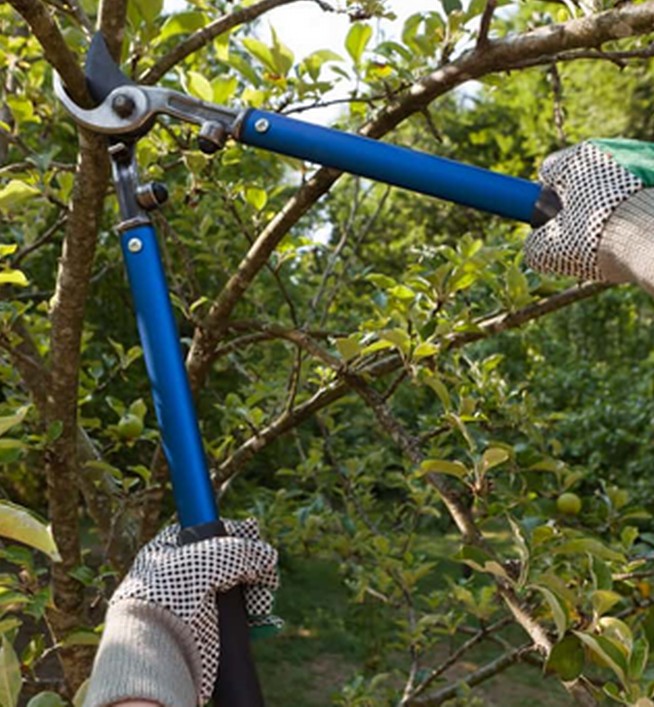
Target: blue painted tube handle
[[173, 401], [460, 183], [237, 684]]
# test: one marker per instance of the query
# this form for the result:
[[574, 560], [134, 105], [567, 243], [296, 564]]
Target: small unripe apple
[[568, 503], [130, 426]]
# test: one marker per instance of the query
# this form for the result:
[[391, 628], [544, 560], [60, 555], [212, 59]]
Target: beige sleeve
[[626, 249], [146, 653]]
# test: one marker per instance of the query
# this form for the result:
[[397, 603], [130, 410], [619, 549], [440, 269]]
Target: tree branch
[[475, 678], [55, 48], [111, 22], [206, 34], [67, 315]]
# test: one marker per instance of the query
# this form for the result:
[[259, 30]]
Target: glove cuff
[[626, 249], [146, 653]]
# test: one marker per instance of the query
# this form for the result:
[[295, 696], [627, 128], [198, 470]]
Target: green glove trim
[[264, 626], [636, 156]]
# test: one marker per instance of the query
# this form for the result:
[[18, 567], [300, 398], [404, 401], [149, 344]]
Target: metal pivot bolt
[[134, 245], [123, 105], [262, 125]]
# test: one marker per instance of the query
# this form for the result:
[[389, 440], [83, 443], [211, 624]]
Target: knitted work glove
[[605, 230], [179, 582]]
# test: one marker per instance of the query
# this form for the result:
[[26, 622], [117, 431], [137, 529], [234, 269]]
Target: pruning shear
[[127, 111]]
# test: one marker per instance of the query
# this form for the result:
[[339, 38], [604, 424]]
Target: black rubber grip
[[237, 684], [546, 207]]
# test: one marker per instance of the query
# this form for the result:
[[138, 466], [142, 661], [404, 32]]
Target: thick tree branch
[[204, 35], [54, 46], [111, 22], [67, 315]]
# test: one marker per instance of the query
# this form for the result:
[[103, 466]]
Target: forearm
[[146, 657]]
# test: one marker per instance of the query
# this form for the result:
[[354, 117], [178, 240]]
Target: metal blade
[[102, 72]]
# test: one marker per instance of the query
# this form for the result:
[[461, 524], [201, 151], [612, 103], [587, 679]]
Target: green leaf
[[149, 10], [46, 699], [590, 545], [481, 561], [558, 609], [357, 40], [442, 466], [517, 286], [399, 337], [617, 630], [13, 277], [402, 292], [441, 391], [348, 347], [198, 85], [15, 193], [181, 23], [7, 249], [80, 695], [493, 456], [81, 637], [566, 659], [638, 659], [10, 676], [601, 573], [603, 600], [6, 423], [425, 348], [224, 87], [18, 524], [451, 6], [314, 62], [261, 52], [608, 654], [282, 56], [256, 197]]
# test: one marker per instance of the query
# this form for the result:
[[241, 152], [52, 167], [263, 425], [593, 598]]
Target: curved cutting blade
[[102, 72]]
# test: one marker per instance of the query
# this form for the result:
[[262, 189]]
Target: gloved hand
[[605, 230], [161, 639]]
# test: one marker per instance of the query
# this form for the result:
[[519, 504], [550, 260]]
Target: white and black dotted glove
[[178, 583], [605, 229]]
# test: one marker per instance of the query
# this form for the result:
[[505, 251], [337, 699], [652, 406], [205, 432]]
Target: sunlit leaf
[[181, 23], [10, 675], [15, 193], [6, 423], [493, 456], [357, 40], [442, 466], [558, 609], [198, 85], [18, 524]]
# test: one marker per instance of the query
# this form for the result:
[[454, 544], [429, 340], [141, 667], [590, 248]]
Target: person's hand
[[605, 230], [166, 606]]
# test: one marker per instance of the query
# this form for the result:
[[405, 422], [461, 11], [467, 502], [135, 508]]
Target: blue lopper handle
[[421, 172]]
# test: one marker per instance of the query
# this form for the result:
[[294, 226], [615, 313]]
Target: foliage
[[368, 395]]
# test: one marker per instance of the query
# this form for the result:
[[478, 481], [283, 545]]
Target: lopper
[[127, 111]]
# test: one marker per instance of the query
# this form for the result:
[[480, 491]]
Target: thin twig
[[485, 23]]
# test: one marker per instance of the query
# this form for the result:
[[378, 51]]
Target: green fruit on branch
[[569, 504], [130, 426]]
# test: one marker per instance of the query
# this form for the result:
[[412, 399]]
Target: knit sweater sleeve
[[145, 653], [626, 249]]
